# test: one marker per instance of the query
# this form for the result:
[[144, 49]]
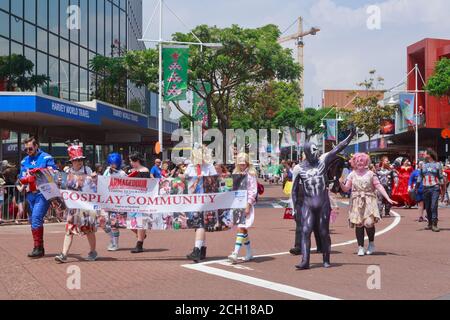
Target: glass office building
[[61, 36]]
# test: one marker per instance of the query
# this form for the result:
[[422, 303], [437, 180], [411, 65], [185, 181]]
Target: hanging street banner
[[160, 204], [200, 109], [175, 71], [287, 139], [331, 130], [407, 108]]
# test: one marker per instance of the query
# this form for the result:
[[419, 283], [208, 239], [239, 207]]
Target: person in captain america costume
[[36, 159], [314, 202]]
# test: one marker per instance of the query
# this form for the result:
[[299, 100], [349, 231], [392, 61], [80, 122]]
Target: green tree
[[439, 83], [308, 121], [258, 105], [368, 113], [17, 71], [248, 57]]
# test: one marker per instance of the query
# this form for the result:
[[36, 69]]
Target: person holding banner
[[138, 170], [114, 162], [36, 159], [245, 167], [201, 167], [79, 222]]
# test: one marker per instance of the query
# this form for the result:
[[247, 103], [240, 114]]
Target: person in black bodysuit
[[315, 204]]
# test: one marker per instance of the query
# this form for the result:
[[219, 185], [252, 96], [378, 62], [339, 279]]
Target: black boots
[[295, 251], [139, 247], [203, 253], [197, 254], [37, 252]]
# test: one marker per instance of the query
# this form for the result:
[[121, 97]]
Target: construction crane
[[300, 46]]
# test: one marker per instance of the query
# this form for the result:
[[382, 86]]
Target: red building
[[426, 54]]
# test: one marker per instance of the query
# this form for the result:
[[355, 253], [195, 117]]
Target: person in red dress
[[400, 191]]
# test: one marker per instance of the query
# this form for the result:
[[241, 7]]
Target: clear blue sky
[[343, 52]]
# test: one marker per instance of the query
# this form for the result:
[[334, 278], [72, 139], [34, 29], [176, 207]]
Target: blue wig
[[116, 159]]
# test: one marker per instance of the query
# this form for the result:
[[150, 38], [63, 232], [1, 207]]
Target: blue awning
[[33, 108]]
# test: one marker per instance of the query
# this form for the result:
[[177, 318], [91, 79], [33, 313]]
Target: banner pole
[[417, 115], [160, 118]]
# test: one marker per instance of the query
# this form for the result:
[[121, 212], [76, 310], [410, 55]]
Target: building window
[[42, 40], [53, 6], [30, 10], [17, 8], [42, 13], [30, 35], [53, 74], [4, 47], [101, 27], [64, 80], [74, 53], [42, 68], [17, 29], [4, 4], [54, 44], [63, 16], [64, 49], [4, 24]]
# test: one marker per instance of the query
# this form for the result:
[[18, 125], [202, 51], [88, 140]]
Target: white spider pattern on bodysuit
[[313, 179]]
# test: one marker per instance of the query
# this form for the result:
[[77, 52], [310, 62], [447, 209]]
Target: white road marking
[[204, 267], [261, 283]]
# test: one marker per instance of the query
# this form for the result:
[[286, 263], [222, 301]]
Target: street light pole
[[417, 112], [160, 45]]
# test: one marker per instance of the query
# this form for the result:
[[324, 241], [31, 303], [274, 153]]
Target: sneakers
[[429, 226], [61, 258], [249, 256], [92, 256], [233, 258], [113, 247], [195, 255], [370, 249], [435, 227], [361, 252]]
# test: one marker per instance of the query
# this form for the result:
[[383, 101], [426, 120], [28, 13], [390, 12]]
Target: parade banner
[[175, 65], [214, 203]]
